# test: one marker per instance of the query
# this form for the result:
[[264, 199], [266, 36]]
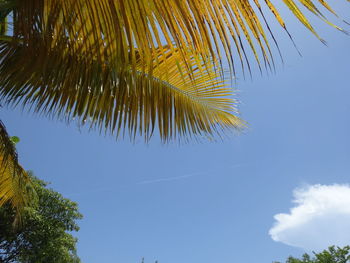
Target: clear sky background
[[209, 202]]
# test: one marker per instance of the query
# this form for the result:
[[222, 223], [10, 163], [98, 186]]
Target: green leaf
[[15, 139]]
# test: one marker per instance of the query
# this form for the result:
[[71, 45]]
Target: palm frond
[[14, 181], [125, 101], [104, 28], [128, 65]]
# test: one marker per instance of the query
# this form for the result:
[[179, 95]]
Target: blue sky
[[208, 202]]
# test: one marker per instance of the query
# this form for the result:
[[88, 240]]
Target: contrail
[[166, 179], [154, 181]]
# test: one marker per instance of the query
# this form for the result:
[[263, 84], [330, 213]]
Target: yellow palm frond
[[130, 64], [104, 28], [179, 103], [14, 181]]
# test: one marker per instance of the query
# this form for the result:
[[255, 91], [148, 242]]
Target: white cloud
[[320, 218]]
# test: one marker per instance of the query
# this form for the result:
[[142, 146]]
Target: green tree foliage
[[332, 255], [44, 236]]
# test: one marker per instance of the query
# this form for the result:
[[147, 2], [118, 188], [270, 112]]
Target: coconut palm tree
[[129, 66]]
